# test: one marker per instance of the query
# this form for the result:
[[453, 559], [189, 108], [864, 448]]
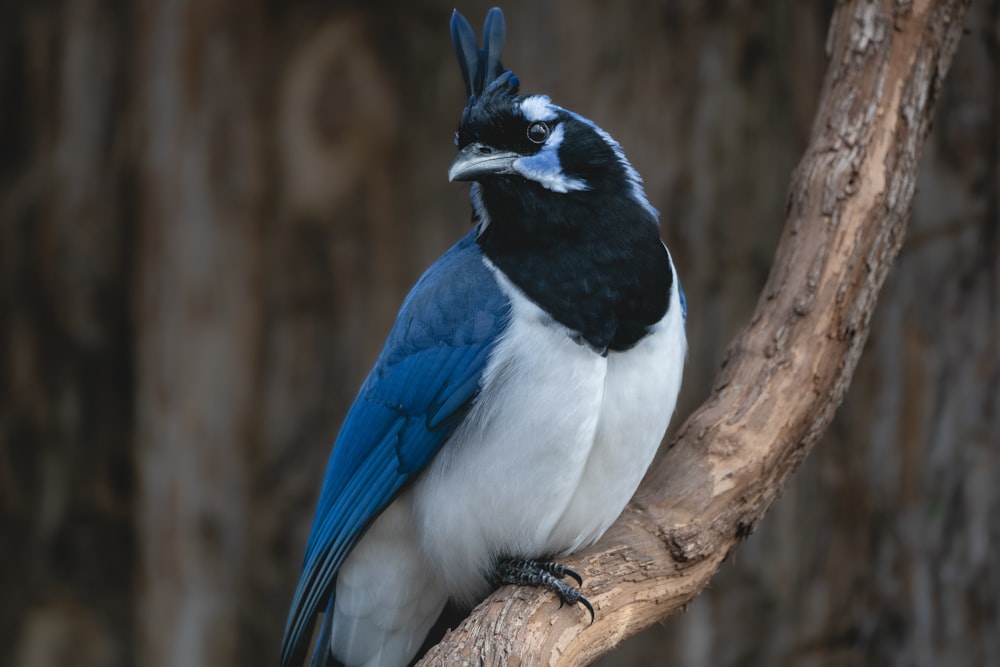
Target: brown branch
[[785, 373]]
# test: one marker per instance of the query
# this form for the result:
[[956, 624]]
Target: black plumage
[[592, 257], [592, 261]]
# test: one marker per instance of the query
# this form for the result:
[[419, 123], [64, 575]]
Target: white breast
[[640, 392], [555, 446]]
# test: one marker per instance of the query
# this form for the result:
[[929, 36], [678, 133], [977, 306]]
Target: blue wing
[[419, 390]]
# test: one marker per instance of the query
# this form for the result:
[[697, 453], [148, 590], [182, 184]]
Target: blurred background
[[210, 211]]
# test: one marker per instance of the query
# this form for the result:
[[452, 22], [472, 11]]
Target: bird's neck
[[593, 260]]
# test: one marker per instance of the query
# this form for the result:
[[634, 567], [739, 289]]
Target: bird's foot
[[539, 574]]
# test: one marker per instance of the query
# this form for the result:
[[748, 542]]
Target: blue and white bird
[[522, 392]]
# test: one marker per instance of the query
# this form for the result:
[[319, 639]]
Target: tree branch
[[785, 373]]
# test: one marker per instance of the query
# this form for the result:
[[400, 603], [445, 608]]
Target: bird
[[520, 396]]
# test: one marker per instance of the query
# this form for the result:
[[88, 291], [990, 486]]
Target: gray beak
[[478, 159]]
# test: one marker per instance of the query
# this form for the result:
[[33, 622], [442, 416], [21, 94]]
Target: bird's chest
[[601, 272], [548, 456]]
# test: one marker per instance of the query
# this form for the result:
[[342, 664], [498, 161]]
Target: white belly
[[385, 603]]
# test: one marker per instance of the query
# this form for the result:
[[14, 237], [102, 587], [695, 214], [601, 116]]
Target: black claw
[[586, 603], [545, 575], [561, 571]]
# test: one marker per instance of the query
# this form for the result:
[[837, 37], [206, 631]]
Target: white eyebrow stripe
[[538, 107]]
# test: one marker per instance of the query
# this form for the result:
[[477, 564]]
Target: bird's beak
[[478, 159]]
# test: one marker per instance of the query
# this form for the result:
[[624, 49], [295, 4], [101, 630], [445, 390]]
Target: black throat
[[593, 260]]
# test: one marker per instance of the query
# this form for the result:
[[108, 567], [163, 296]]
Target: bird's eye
[[538, 132]]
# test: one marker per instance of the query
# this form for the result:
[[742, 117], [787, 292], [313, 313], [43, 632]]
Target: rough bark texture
[[210, 212], [786, 372]]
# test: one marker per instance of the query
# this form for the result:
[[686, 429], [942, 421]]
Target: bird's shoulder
[[455, 304], [434, 358]]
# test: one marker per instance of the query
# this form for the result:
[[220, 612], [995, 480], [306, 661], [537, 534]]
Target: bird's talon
[[586, 603], [545, 575], [572, 574]]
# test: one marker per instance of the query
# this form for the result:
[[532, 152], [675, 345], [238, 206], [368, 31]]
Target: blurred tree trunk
[[68, 548], [210, 211], [203, 200]]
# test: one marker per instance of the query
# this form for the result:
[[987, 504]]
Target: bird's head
[[527, 143]]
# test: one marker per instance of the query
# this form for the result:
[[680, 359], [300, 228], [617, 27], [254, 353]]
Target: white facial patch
[[538, 107], [544, 167]]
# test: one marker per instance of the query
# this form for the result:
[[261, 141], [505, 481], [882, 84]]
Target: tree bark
[[785, 373]]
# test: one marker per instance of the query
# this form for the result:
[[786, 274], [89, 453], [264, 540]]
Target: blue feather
[[322, 657], [467, 50], [494, 32], [421, 387]]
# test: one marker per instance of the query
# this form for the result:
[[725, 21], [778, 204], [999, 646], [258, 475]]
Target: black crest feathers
[[480, 66]]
